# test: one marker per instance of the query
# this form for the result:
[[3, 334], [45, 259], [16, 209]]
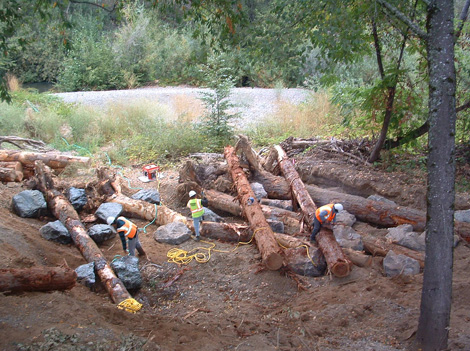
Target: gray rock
[[211, 216], [284, 204], [462, 216], [259, 191], [29, 204], [348, 237], [77, 198], [300, 263], [108, 209], [173, 233], [276, 226], [345, 218], [56, 231], [149, 195], [86, 274], [399, 264], [127, 269], [101, 232], [381, 199], [403, 235]]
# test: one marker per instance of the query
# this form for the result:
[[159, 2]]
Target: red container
[[150, 171]]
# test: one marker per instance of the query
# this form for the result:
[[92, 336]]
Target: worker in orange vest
[[129, 234], [324, 215], [197, 211]]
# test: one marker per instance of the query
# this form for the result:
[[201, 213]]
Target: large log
[[53, 160], [10, 175], [64, 211], [276, 187], [335, 258], [380, 213], [264, 236], [37, 279], [224, 202]]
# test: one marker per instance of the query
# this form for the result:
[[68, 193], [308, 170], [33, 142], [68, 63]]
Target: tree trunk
[[267, 245], [37, 279], [358, 258], [64, 211], [223, 202], [276, 187], [10, 175], [51, 159], [380, 213], [337, 262], [436, 297]]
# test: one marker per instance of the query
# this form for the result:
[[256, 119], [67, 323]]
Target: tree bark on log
[[64, 211], [380, 213], [264, 236], [276, 187], [51, 159], [37, 279], [336, 260], [10, 175], [223, 202]]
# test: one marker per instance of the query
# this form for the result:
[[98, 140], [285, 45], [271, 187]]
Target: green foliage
[[215, 124]]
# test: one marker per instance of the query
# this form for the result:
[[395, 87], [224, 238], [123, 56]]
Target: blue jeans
[[197, 221]]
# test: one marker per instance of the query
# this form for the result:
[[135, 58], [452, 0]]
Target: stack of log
[[17, 165]]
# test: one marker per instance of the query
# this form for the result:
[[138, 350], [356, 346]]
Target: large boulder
[[400, 264], [403, 235], [149, 195], [86, 274], [127, 269], [259, 191], [299, 262], [108, 209], [56, 231], [101, 232], [348, 237], [77, 198], [173, 233], [211, 216], [462, 216], [29, 204]]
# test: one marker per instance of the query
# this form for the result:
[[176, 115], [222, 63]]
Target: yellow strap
[[130, 305]]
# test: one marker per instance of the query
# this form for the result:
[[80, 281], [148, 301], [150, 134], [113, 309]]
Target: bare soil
[[228, 303]]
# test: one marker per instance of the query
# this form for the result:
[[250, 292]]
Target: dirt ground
[[228, 303]]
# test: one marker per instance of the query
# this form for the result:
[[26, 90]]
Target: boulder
[[297, 260], [86, 274], [77, 198], [259, 191], [101, 232], [56, 231], [399, 264], [29, 204], [173, 233], [108, 209], [211, 216], [403, 235], [348, 237], [149, 195], [127, 269]]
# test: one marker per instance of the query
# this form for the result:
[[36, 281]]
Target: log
[[37, 279], [337, 262], [17, 166], [264, 236], [10, 175], [380, 213], [224, 202], [53, 160], [276, 187], [64, 211], [359, 258]]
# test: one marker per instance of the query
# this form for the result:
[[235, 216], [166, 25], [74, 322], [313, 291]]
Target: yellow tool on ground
[[130, 305]]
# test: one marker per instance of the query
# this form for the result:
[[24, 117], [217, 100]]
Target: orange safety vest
[[330, 213], [128, 228], [195, 205]]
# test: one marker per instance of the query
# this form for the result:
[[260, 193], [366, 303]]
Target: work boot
[[197, 238]]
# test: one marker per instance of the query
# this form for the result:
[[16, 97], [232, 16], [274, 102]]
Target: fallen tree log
[[10, 175], [276, 187], [224, 202], [37, 279], [380, 213], [264, 236], [64, 211], [53, 160], [337, 262]]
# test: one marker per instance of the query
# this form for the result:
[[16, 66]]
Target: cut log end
[[341, 269], [274, 261]]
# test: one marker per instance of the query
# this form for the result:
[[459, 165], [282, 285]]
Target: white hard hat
[[338, 207], [110, 220], [192, 193]]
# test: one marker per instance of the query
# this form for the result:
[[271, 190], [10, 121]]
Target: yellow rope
[[130, 305]]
